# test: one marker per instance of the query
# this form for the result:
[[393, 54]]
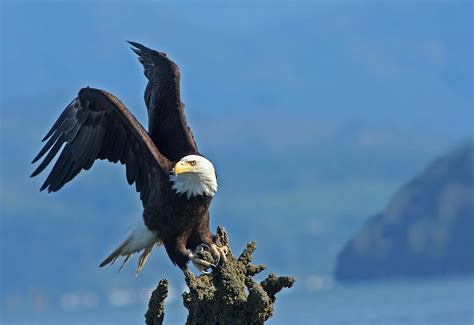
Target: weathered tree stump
[[229, 295]]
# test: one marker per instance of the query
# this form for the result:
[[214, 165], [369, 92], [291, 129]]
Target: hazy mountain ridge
[[426, 229]]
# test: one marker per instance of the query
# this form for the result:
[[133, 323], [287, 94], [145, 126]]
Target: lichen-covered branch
[[156, 305], [230, 295]]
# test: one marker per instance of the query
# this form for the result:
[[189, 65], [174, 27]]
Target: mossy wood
[[229, 295]]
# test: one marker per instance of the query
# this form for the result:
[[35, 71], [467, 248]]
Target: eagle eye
[[193, 162]]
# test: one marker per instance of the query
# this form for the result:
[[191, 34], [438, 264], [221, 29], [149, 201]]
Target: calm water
[[435, 301], [440, 301]]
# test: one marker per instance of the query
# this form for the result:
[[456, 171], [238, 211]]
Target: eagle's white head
[[194, 175]]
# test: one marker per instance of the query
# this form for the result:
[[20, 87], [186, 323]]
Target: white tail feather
[[138, 238]]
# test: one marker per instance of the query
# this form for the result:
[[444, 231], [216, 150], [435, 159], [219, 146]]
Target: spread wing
[[167, 124], [96, 125]]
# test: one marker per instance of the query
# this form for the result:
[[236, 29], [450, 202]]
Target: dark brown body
[[182, 223]]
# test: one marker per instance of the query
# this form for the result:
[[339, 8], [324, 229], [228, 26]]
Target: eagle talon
[[208, 253], [202, 248], [209, 256], [201, 264], [220, 253]]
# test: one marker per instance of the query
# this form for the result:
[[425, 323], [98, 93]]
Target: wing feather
[[61, 169], [167, 123], [50, 155], [59, 121], [107, 142], [47, 146], [96, 125]]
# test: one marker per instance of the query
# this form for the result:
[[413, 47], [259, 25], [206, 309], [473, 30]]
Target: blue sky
[[400, 64]]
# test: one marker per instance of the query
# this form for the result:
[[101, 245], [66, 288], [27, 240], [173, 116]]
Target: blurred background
[[341, 132]]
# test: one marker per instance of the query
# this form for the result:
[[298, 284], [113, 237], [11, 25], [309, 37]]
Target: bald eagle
[[176, 183]]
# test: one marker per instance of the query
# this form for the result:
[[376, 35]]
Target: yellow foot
[[200, 263], [219, 253]]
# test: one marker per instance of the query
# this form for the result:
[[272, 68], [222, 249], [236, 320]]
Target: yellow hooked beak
[[183, 167]]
